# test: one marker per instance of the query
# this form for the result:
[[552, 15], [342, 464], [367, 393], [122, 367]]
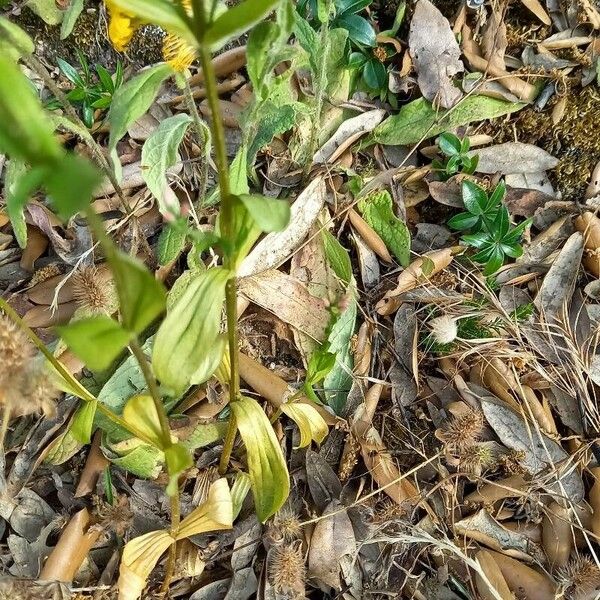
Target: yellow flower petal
[[121, 26], [178, 53]]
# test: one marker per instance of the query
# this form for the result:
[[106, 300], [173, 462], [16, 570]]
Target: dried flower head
[[16, 352], [580, 579], [93, 291], [44, 273], [115, 517], [285, 525], [444, 329], [462, 431], [37, 392], [478, 458], [287, 572]]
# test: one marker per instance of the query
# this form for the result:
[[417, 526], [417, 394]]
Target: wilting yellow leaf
[[140, 556], [311, 424], [141, 412], [239, 491], [216, 513]]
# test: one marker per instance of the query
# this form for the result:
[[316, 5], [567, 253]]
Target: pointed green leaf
[[269, 214], [140, 411], [83, 422], [97, 341], [14, 42], [266, 465], [337, 256], [178, 459]]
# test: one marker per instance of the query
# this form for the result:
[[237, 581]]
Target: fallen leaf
[[332, 538], [276, 248], [523, 202], [493, 40], [435, 54], [541, 455], [538, 10], [513, 157], [500, 589]]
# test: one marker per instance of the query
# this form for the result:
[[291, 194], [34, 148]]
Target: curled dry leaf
[[348, 133], [513, 157], [538, 10], [276, 248], [558, 285], [557, 535], [540, 453], [494, 577], [435, 54], [370, 236], [418, 272], [589, 225]]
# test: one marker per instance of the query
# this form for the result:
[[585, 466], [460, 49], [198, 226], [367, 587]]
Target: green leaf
[[141, 297], [71, 184], [375, 75], [339, 380], [237, 20], [463, 221], [319, 365], [474, 197], [25, 131], [135, 97], [160, 153], [308, 40], [210, 361], [14, 42], [83, 422], [449, 144], [272, 120], [266, 465], [178, 459], [140, 412], [269, 214], [47, 10], [97, 341], [377, 211], [359, 29], [337, 256], [133, 456], [189, 332], [158, 12], [239, 490], [70, 72], [205, 434], [238, 172], [71, 14], [420, 120], [311, 424], [171, 242], [19, 185]]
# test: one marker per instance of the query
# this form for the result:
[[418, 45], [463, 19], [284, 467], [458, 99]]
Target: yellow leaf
[[216, 513], [266, 465], [311, 424], [141, 412], [140, 556], [239, 491]]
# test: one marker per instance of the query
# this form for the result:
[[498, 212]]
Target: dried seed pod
[[557, 537], [287, 572]]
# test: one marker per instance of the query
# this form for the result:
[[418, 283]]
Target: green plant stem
[[137, 351], [35, 65], [175, 520], [68, 378], [226, 223]]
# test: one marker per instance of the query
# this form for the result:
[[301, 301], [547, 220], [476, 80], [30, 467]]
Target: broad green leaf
[[83, 422], [450, 144], [308, 39], [136, 457], [337, 256], [238, 172], [210, 361], [71, 14], [171, 242], [474, 197], [376, 208], [266, 465], [62, 448], [25, 131], [19, 185], [419, 120], [178, 459], [47, 10], [205, 434], [359, 29], [319, 365], [190, 330], [215, 514], [339, 380], [158, 12], [160, 152], [134, 97], [311, 424], [71, 184], [375, 75], [141, 297], [237, 20], [140, 411], [239, 490], [269, 214], [97, 340], [14, 42], [272, 120]]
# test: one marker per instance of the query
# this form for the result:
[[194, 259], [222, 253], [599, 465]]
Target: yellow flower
[[177, 52], [121, 27]]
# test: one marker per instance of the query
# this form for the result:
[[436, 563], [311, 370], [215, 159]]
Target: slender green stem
[[226, 223], [175, 520], [137, 351], [201, 137]]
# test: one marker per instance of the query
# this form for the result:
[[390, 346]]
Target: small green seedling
[[91, 92], [488, 223], [457, 159]]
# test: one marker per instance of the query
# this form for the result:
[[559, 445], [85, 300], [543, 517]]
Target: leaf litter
[[461, 405]]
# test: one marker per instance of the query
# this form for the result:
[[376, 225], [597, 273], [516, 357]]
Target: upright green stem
[[201, 136], [226, 224]]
